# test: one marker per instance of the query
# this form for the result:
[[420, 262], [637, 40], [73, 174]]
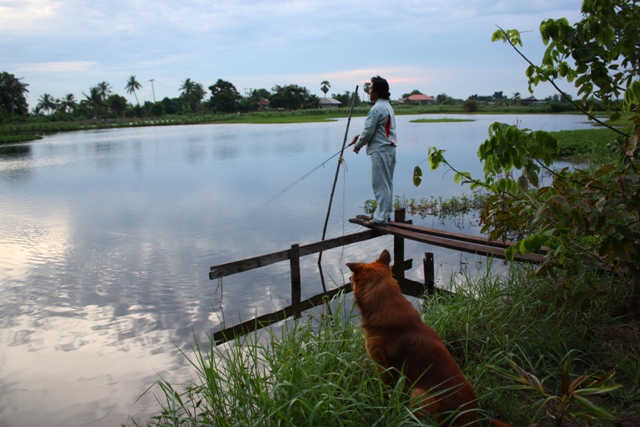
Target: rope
[[344, 198]]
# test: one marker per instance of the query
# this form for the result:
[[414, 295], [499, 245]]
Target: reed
[[316, 372]]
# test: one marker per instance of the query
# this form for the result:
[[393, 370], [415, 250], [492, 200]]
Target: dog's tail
[[496, 423]]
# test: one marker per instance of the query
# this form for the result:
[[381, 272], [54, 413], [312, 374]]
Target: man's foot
[[364, 217]]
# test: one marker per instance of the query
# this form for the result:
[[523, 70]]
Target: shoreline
[[33, 128]]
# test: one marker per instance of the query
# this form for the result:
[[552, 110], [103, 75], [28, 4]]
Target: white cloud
[[56, 67], [260, 43], [20, 14]]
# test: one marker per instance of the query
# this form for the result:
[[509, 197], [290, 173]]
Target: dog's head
[[367, 275]]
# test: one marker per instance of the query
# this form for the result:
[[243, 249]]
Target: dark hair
[[381, 87]]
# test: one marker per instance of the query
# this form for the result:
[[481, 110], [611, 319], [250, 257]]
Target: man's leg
[[382, 165]]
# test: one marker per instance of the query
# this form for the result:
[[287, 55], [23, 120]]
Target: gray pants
[[383, 162]]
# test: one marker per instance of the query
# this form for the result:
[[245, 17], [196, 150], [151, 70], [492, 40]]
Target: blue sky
[[435, 46]]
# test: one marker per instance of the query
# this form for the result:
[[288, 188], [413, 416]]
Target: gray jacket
[[379, 128]]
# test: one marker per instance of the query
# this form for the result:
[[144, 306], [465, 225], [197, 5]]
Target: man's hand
[[353, 141]]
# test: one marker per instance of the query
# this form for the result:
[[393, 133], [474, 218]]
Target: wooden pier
[[399, 228]]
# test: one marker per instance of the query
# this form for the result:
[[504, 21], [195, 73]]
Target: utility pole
[[153, 90]]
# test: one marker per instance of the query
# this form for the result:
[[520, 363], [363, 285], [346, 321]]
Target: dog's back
[[396, 337]]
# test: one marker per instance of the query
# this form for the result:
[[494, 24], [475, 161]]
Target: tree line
[[101, 102], [222, 97]]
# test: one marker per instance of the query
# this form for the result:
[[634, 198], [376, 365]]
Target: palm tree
[[47, 103], [12, 92], [324, 87], [366, 88], [68, 103], [104, 90], [95, 99], [132, 86], [187, 88], [192, 92]]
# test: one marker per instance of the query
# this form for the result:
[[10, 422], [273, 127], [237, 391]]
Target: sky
[[435, 46]]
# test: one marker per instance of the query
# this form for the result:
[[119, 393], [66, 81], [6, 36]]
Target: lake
[[107, 238]]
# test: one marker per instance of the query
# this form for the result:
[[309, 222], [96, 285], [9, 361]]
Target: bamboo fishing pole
[[335, 180]]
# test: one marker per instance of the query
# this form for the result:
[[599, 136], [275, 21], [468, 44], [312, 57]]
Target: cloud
[[56, 67], [260, 43], [21, 14]]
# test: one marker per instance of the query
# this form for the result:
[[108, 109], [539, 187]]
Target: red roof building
[[420, 98]]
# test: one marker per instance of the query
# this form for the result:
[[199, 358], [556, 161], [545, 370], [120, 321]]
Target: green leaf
[[509, 253], [497, 36], [618, 248], [523, 184], [598, 390], [630, 145], [594, 409], [577, 218], [635, 273], [417, 176], [565, 378]]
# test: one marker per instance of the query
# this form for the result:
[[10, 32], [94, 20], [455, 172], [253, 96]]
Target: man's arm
[[367, 132]]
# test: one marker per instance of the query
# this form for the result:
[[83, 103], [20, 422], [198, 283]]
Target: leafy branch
[[587, 218], [571, 401], [512, 37]]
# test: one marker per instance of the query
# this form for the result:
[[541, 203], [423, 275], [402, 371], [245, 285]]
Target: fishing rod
[[290, 186], [333, 189]]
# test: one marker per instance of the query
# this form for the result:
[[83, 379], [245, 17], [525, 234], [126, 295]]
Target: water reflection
[[108, 243], [15, 159], [10, 152]]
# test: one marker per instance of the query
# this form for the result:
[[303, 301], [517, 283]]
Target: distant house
[[420, 99], [329, 103], [532, 101], [263, 104]]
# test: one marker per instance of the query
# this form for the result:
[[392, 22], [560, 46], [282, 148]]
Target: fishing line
[[290, 186]]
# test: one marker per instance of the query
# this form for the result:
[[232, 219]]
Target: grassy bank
[[440, 120], [23, 129], [317, 372], [12, 139]]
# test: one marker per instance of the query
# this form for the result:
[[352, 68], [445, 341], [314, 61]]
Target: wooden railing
[[399, 228]]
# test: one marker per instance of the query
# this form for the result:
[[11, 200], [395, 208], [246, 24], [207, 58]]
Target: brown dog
[[397, 338]]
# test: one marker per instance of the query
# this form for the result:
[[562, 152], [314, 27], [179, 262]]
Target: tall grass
[[314, 373], [538, 324], [317, 373]]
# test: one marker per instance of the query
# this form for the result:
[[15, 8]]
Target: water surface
[[107, 237]]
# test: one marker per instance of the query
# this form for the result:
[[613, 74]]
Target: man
[[379, 135]]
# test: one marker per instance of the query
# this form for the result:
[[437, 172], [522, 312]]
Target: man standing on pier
[[379, 135]]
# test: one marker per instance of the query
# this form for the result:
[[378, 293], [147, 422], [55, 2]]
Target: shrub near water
[[538, 324], [317, 373]]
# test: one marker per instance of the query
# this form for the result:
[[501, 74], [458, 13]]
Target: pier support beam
[[296, 289], [398, 249]]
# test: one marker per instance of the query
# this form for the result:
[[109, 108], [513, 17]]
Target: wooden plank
[[314, 248], [453, 244], [260, 322], [247, 264], [230, 268], [412, 288], [457, 236]]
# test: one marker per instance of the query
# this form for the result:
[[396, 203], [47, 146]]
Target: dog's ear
[[385, 257], [354, 266]]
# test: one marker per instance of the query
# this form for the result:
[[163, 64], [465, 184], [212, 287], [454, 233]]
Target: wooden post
[[294, 261], [398, 249], [429, 272]]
